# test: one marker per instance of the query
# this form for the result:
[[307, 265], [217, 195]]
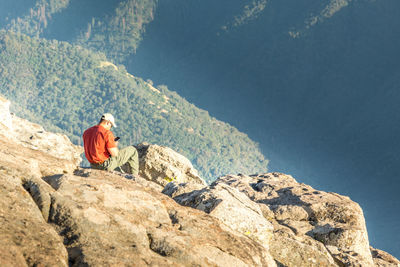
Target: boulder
[[332, 219], [163, 165], [384, 259], [234, 209], [31, 162]]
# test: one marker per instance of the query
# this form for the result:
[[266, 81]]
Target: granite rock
[[234, 209], [163, 165], [34, 136], [328, 218], [51, 216]]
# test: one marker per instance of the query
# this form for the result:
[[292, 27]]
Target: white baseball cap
[[110, 118]]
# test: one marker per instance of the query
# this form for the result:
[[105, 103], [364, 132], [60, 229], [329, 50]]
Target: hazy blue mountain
[[314, 82]]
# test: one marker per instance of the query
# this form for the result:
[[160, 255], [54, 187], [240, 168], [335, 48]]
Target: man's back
[[97, 140]]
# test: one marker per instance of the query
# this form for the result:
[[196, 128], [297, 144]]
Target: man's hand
[[113, 151]]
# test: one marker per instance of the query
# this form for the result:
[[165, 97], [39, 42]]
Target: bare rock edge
[[53, 213]]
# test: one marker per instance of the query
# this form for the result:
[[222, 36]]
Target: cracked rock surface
[[54, 216], [108, 220], [310, 218], [306, 227]]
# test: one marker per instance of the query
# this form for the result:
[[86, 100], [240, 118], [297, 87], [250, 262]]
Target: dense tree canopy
[[114, 27]]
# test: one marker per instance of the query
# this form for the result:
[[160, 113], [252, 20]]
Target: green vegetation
[[117, 32], [118, 35], [37, 17], [67, 87]]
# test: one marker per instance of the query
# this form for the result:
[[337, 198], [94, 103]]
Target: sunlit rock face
[[5, 116], [25, 238], [383, 259], [163, 165], [328, 218], [309, 227], [120, 221], [99, 218], [34, 136], [234, 209]]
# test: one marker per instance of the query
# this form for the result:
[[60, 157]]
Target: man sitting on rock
[[101, 148]]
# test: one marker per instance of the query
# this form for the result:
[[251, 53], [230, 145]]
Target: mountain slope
[[69, 87], [113, 27]]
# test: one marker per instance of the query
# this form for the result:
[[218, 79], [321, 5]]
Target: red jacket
[[96, 141]]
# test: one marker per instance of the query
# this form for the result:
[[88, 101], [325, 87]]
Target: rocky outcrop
[[163, 165], [105, 219], [234, 209], [310, 227], [53, 213], [34, 136], [384, 259], [329, 218]]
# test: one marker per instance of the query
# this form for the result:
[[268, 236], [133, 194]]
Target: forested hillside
[[68, 87], [119, 34], [114, 27], [30, 17]]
